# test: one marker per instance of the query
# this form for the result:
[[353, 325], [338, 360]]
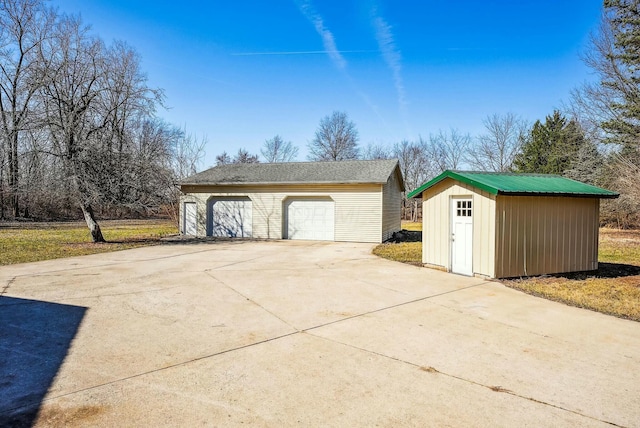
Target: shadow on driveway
[[35, 337]]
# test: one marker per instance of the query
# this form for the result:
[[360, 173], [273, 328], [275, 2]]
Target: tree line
[[78, 127], [79, 130]]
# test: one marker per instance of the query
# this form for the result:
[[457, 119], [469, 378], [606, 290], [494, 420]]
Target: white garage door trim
[[189, 221], [310, 219], [230, 217]]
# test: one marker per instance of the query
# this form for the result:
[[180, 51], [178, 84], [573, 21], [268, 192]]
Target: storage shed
[[358, 201], [502, 225]]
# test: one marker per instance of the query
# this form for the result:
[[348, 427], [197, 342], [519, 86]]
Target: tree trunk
[[1, 194], [14, 174], [94, 227], [414, 210]]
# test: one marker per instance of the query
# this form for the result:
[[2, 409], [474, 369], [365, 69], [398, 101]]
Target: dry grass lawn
[[30, 242], [405, 252], [614, 289], [410, 225]]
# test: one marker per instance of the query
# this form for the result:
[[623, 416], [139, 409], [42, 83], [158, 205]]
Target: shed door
[[189, 220], [461, 236], [231, 217], [311, 219]]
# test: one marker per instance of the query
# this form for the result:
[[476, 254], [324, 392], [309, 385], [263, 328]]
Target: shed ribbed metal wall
[[541, 235]]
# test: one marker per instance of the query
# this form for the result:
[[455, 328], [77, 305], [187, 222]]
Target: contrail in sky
[[331, 49], [328, 41], [299, 53], [393, 59]]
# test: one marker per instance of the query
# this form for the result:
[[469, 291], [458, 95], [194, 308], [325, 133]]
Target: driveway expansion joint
[[208, 272]]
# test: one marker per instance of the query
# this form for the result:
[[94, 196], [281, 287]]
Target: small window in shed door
[[463, 208]]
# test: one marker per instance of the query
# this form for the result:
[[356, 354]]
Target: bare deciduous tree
[[223, 159], [417, 167], [448, 150], [377, 151], [188, 153], [77, 123], [496, 149], [88, 96], [278, 150], [336, 139], [243, 156], [24, 25]]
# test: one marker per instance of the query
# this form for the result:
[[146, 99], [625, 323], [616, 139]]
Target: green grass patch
[[45, 241]]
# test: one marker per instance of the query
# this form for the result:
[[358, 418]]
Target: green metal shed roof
[[498, 183]]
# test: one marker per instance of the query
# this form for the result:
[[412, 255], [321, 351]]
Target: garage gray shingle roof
[[338, 172]]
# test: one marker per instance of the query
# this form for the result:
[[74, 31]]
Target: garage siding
[[358, 208], [436, 225], [391, 207], [542, 235]]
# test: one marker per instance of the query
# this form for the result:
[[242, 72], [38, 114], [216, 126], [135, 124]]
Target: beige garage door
[[311, 219], [231, 217]]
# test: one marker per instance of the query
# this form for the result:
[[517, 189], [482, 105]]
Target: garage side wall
[[391, 207], [544, 235], [358, 208], [436, 226]]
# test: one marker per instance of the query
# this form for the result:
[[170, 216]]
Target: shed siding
[[436, 225], [391, 206], [540, 235], [358, 208]]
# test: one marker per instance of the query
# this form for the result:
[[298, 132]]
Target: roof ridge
[[527, 174], [356, 171], [515, 184]]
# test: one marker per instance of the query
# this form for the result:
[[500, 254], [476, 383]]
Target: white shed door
[[189, 221], [461, 236], [231, 217], [311, 219]]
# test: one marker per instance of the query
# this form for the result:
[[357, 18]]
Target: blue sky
[[240, 72]]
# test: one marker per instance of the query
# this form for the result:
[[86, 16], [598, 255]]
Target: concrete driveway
[[299, 334]]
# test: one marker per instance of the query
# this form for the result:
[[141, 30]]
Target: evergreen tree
[[551, 147], [623, 18]]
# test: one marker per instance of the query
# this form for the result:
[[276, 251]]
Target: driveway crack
[[494, 388], [6, 287]]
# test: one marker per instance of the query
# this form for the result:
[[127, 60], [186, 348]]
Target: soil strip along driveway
[[299, 333]]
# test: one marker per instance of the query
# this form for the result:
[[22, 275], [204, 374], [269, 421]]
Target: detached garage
[[356, 201], [501, 225]]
